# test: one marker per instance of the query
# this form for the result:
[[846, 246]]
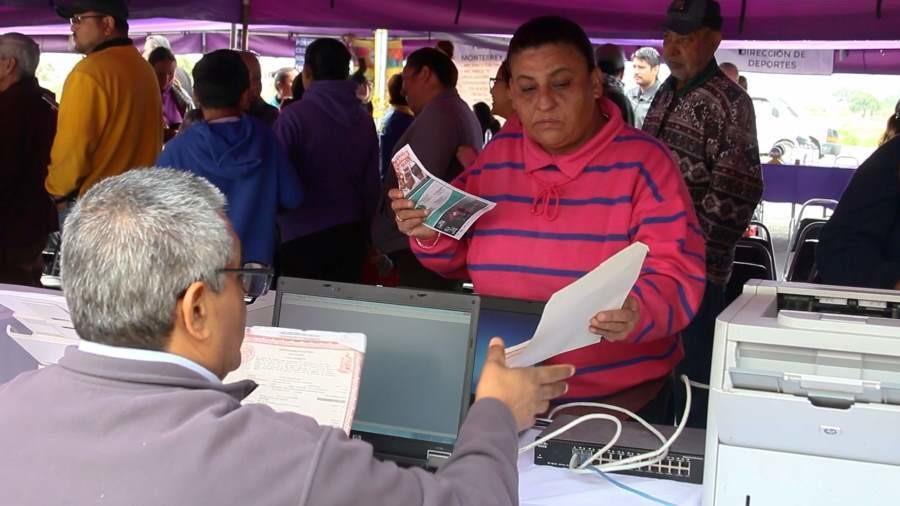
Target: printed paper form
[[307, 372], [567, 315], [38, 322]]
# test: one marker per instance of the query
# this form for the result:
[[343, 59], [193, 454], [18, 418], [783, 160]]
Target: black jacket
[[27, 213], [860, 244]]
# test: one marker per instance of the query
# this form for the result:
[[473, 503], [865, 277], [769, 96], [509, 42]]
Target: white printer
[[804, 404]]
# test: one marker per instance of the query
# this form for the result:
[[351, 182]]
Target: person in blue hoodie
[[331, 140], [237, 153]]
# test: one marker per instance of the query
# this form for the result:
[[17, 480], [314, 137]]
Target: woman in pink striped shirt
[[574, 185]]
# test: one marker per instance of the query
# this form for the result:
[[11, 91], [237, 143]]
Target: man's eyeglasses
[[254, 280], [79, 18]]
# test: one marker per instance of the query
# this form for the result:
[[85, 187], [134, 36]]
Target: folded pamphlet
[[451, 211]]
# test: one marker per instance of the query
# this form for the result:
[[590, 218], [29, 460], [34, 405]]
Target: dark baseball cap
[[686, 16], [115, 8]]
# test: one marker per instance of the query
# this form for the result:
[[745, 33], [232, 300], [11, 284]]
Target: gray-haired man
[[645, 63], [137, 413], [27, 215]]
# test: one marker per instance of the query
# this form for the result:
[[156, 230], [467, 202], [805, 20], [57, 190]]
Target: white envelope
[[567, 315]]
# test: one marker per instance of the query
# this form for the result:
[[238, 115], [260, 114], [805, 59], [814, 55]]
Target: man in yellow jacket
[[110, 116]]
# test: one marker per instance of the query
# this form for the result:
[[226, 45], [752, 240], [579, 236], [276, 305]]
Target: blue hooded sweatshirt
[[246, 162]]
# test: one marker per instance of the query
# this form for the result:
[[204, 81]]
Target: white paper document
[[451, 211], [567, 315], [38, 322], [308, 372]]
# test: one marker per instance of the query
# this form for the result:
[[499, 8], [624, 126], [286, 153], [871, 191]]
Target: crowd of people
[[172, 191]]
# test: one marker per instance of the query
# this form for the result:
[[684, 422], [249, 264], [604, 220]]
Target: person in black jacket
[[611, 61], [860, 244], [27, 214]]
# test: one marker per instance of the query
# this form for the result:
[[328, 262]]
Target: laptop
[[512, 319], [416, 380]]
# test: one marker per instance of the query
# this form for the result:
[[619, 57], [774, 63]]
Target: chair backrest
[[808, 228], [755, 250], [803, 265], [762, 228], [740, 274]]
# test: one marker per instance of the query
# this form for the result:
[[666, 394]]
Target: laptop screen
[[513, 320], [418, 352]]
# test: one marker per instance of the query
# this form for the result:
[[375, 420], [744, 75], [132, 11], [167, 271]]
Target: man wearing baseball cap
[[110, 117], [707, 120]]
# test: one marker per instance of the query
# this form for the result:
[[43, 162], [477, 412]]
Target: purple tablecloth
[[798, 183]]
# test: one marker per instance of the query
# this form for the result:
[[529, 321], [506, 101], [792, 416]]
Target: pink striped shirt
[[558, 217]]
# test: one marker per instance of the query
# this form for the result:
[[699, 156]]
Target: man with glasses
[[707, 120], [138, 412], [110, 118], [444, 123]]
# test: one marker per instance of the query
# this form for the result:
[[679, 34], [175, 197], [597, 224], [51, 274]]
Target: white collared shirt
[[146, 356]]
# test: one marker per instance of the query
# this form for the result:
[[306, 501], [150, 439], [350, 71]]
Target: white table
[[544, 486]]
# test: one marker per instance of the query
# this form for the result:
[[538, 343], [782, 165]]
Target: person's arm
[[852, 243], [672, 281], [288, 131], [290, 191], [81, 118], [434, 138], [736, 184], [482, 470], [371, 178]]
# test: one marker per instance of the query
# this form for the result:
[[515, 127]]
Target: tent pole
[[381, 51], [245, 19], [232, 41]]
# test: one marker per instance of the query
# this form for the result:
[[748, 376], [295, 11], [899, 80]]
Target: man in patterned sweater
[[707, 120], [574, 185]]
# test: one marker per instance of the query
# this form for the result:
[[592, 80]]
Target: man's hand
[[409, 219], [615, 325], [526, 391]]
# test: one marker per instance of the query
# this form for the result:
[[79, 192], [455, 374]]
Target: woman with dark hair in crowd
[[176, 102], [489, 124], [893, 126], [395, 122]]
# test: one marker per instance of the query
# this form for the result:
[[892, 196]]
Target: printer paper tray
[[841, 391]]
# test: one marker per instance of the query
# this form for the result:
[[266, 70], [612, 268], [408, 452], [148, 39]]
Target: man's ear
[[194, 311]]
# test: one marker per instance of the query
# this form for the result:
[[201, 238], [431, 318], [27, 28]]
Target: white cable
[[610, 407], [573, 423], [630, 463], [701, 386], [657, 455]]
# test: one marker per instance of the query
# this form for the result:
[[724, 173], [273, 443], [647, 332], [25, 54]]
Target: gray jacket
[[101, 430]]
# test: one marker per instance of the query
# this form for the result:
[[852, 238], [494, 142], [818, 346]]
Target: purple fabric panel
[[272, 45], [798, 183], [765, 19], [868, 61], [24, 12]]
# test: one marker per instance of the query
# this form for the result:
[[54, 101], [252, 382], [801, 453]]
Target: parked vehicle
[[779, 126]]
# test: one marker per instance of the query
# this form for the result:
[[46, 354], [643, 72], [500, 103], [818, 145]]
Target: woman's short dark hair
[[395, 90], [220, 78], [328, 60], [439, 63], [547, 30], [160, 54]]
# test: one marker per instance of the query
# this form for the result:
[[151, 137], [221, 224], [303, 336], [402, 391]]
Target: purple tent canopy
[[626, 19]]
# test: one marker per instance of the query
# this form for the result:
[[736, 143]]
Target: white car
[[779, 126]]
